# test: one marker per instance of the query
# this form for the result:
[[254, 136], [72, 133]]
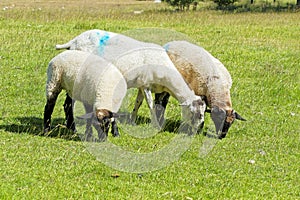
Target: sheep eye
[[105, 120]]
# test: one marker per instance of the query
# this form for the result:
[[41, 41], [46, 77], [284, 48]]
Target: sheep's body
[[87, 78], [208, 77], [144, 65]]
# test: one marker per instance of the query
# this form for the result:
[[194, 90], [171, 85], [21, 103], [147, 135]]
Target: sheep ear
[[86, 116], [239, 117], [115, 115]]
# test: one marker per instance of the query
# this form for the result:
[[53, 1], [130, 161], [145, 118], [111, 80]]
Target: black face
[[104, 124], [226, 125], [104, 119], [218, 116], [223, 120]]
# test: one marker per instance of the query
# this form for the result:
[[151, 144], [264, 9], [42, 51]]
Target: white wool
[[142, 64], [87, 78], [88, 40], [151, 68], [205, 74]]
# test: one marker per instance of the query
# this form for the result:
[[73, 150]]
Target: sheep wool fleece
[[205, 74], [142, 64], [87, 78]]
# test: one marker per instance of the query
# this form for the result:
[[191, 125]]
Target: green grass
[[261, 51]]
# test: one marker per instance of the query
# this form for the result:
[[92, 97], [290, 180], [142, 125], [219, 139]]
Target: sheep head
[[194, 112], [223, 119], [104, 119]]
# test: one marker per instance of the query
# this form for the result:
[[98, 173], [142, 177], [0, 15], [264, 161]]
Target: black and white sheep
[[208, 77], [90, 79], [145, 66]]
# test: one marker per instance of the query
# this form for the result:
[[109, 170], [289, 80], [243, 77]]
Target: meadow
[[259, 158]]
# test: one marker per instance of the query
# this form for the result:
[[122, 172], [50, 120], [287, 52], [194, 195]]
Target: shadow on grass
[[173, 126], [34, 126], [170, 125]]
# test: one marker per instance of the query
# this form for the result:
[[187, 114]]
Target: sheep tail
[[63, 46]]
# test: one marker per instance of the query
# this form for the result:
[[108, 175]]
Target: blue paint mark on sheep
[[102, 42], [166, 47]]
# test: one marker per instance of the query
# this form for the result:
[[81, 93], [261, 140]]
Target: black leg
[[161, 101], [68, 108], [102, 134], [137, 104], [89, 128], [48, 112], [114, 129]]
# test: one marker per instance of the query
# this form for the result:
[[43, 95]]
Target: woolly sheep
[[90, 79], [145, 66], [208, 77]]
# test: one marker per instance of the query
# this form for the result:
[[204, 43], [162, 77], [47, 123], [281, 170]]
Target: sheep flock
[[98, 67]]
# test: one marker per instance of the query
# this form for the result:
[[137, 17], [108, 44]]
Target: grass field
[[259, 159]]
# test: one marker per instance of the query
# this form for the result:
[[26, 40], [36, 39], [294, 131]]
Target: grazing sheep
[[208, 77], [90, 79], [145, 66]]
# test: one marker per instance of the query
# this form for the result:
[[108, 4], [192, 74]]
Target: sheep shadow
[[170, 125], [34, 126]]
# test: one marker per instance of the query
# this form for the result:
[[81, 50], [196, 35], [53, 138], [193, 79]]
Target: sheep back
[[146, 65], [91, 41], [142, 64], [204, 74], [88, 78]]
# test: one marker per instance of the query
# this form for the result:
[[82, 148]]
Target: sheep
[[208, 77], [90, 79], [145, 66]]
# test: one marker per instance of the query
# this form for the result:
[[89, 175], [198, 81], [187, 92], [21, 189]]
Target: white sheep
[[208, 77], [90, 79], [145, 66]]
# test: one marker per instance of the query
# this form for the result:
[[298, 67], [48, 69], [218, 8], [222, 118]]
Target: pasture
[[259, 158]]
